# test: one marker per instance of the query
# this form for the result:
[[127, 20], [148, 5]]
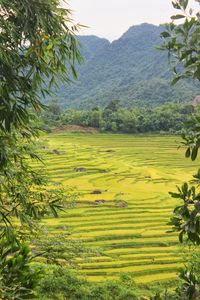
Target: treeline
[[166, 118]]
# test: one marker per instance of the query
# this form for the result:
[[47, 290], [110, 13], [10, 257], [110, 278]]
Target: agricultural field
[[124, 205]]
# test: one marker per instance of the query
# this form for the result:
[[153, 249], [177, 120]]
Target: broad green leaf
[[194, 153], [177, 17]]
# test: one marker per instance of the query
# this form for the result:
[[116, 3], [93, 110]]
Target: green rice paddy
[[124, 205]]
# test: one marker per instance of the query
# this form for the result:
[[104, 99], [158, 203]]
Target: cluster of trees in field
[[166, 118], [60, 283]]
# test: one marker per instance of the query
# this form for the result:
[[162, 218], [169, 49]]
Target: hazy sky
[[111, 18]]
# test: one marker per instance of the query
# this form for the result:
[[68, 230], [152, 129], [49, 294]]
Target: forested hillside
[[129, 69]]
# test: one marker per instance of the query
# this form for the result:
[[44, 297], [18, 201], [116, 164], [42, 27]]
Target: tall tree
[[37, 45], [182, 42]]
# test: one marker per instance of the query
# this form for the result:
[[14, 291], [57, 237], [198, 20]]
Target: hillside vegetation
[[169, 118], [129, 69]]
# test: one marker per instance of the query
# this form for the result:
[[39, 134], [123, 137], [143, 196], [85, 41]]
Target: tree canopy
[[37, 45], [183, 44]]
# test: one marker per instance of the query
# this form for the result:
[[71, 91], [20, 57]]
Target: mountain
[[129, 69], [91, 46]]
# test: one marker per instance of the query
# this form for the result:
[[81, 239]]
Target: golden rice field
[[124, 205]]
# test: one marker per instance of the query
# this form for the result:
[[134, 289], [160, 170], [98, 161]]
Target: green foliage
[[36, 40], [35, 45], [190, 285], [192, 260], [166, 118], [186, 217], [60, 283], [192, 136], [17, 278], [159, 296], [182, 41]]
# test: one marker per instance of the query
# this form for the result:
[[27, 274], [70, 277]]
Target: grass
[[126, 221]]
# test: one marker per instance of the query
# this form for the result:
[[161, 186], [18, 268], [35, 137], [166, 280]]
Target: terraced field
[[124, 205]]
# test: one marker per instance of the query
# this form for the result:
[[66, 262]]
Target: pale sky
[[111, 18]]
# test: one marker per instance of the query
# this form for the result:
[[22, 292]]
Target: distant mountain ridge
[[129, 69]]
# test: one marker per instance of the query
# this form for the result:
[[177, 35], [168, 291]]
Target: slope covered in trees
[[129, 69]]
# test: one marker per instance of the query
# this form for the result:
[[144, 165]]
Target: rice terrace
[[124, 205], [99, 150]]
